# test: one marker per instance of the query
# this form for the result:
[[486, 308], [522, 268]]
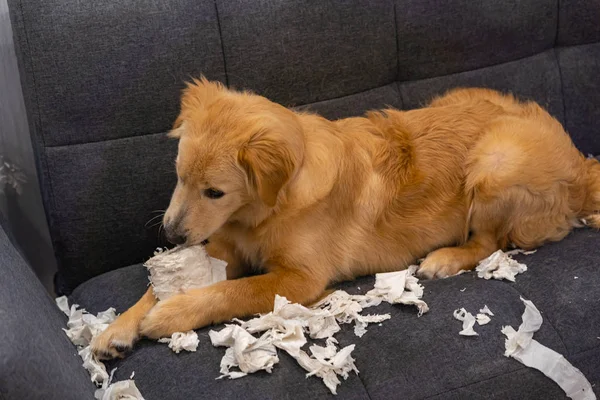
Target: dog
[[307, 202]]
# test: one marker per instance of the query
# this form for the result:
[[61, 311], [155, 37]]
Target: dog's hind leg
[[591, 209], [526, 186]]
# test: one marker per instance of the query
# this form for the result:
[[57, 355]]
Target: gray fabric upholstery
[[101, 83], [37, 360], [441, 38], [106, 78], [579, 66], [407, 357], [578, 22]]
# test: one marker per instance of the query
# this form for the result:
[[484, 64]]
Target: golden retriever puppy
[[308, 202]]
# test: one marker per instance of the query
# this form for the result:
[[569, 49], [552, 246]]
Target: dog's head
[[237, 151]]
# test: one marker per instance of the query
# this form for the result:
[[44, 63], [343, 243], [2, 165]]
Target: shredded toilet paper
[[182, 341], [468, 321], [521, 346], [520, 251], [500, 266], [285, 328], [482, 319], [183, 268], [486, 310], [122, 390], [82, 328]]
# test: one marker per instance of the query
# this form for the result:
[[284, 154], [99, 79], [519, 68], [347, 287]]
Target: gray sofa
[[101, 82]]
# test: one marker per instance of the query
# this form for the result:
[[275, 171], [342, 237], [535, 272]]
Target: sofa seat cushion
[[407, 356]]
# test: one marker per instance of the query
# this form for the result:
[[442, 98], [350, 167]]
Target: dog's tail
[[592, 202]]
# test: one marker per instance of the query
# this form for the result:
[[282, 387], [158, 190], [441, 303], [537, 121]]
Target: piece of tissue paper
[[521, 346], [500, 266], [285, 327], [122, 390], [83, 327], [182, 268], [182, 341], [468, 321]]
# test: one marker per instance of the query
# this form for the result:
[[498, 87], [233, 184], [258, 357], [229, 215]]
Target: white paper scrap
[[182, 268], [521, 346], [398, 287], [500, 266], [482, 319], [468, 321], [286, 325], [182, 341], [83, 327], [122, 390], [520, 251], [244, 351], [486, 310]]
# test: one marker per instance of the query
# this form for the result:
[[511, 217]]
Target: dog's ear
[[196, 95], [270, 160]]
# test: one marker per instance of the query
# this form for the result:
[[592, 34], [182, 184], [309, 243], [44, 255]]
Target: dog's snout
[[174, 233]]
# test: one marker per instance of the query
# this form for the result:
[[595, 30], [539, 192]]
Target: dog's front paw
[[117, 339], [169, 316], [441, 263]]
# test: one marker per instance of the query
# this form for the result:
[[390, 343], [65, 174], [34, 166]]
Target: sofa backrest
[[102, 82]]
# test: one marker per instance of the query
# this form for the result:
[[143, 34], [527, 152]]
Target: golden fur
[[310, 201]]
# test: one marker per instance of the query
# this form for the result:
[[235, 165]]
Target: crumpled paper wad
[[182, 268], [83, 327], [286, 325], [122, 390], [500, 266], [182, 341], [521, 346]]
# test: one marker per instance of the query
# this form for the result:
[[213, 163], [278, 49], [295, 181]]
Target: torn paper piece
[[122, 390], [468, 321], [182, 341], [285, 326], [500, 266], [63, 304], [521, 346], [486, 310], [345, 309], [245, 352], [96, 369], [82, 328], [482, 319], [327, 363], [397, 287], [520, 251], [183, 268]]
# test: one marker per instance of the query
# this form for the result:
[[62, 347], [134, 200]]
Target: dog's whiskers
[[154, 218]]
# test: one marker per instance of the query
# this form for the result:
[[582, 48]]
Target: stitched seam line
[[222, 44], [39, 135]]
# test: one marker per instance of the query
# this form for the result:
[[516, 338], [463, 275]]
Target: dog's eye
[[213, 193]]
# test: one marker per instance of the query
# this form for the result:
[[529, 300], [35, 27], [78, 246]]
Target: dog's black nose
[[174, 236]]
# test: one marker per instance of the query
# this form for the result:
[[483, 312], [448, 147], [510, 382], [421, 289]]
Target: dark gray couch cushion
[[578, 22], [407, 357], [440, 38], [108, 192], [298, 52], [579, 66], [37, 361]]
